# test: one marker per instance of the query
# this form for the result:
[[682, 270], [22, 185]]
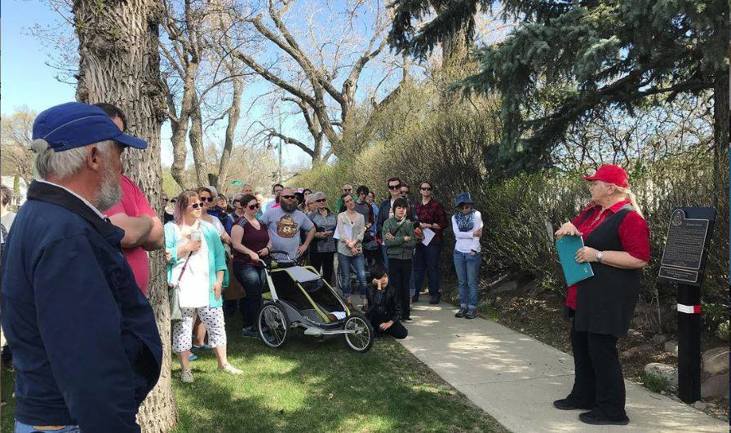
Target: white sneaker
[[230, 369], [186, 376]]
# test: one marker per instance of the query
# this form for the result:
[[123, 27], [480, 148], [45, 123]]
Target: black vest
[[606, 302]]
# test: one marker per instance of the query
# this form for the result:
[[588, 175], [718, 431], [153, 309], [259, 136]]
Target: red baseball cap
[[611, 173]]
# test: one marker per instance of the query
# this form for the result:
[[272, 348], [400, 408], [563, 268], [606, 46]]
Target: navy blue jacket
[[85, 344]]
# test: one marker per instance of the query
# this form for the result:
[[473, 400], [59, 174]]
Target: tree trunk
[[120, 64], [234, 114], [195, 135]]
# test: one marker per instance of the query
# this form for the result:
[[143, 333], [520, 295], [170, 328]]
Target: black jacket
[[383, 306]]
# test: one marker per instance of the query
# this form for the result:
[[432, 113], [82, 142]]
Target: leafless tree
[[16, 156], [319, 74]]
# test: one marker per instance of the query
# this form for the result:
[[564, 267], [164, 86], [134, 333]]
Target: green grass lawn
[[309, 386]]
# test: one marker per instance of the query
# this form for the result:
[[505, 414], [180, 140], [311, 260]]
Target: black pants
[[230, 307], [324, 263], [599, 382], [373, 257], [397, 330], [399, 274]]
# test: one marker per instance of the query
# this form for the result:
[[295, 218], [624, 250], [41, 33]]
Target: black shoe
[[406, 319], [569, 404], [460, 314], [596, 417], [471, 314], [414, 299], [434, 300]]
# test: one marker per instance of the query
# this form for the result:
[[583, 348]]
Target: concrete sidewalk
[[515, 378]]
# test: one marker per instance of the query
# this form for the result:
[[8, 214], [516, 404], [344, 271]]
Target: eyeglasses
[[254, 206], [195, 205], [428, 188], [397, 186], [288, 197], [322, 200], [208, 199]]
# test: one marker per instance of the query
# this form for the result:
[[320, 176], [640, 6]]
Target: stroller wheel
[[360, 333], [272, 325]]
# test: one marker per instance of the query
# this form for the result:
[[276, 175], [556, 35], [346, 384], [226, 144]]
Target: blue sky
[[28, 80]]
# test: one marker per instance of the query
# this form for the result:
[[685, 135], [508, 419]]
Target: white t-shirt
[[467, 241], [195, 283]]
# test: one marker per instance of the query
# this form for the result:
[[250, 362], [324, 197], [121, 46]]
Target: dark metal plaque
[[683, 257]]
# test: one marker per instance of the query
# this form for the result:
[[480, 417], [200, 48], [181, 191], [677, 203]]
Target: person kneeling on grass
[[384, 308]]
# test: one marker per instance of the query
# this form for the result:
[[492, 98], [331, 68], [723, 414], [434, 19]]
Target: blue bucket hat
[[74, 124], [463, 198]]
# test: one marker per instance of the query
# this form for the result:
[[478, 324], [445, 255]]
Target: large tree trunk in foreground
[[120, 64]]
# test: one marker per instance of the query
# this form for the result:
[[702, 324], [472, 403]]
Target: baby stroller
[[301, 298]]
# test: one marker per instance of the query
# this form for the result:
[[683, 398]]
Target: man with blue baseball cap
[[85, 344]]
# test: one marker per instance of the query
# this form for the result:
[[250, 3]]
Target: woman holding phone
[[196, 265]]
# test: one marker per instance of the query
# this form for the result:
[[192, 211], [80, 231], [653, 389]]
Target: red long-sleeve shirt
[[432, 213], [634, 235]]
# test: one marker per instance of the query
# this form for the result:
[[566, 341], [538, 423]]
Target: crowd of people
[[355, 244], [75, 310]]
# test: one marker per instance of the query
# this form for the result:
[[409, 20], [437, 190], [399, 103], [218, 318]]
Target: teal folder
[[573, 271]]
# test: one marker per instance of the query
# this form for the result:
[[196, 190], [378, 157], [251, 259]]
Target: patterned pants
[[212, 317]]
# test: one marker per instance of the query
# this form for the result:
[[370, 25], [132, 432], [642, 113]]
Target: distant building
[[20, 193]]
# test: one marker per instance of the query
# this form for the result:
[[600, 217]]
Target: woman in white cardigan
[[467, 227], [350, 230]]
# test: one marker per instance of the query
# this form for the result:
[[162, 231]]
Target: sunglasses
[[195, 205], [428, 188], [394, 186], [288, 197], [208, 199], [254, 206], [347, 189], [322, 200]]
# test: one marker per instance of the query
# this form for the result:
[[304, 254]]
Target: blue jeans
[[358, 263], [468, 274], [385, 257], [25, 428], [252, 279], [426, 266]]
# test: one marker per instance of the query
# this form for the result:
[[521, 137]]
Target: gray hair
[[65, 163]]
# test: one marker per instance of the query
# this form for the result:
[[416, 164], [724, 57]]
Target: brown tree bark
[[234, 113], [120, 64]]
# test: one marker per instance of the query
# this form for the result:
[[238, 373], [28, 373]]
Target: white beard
[[110, 191]]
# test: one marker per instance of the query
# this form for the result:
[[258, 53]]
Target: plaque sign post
[[683, 262]]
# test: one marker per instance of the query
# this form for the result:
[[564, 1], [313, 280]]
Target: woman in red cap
[[617, 244]]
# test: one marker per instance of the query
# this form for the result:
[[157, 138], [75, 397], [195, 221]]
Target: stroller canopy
[[302, 275]]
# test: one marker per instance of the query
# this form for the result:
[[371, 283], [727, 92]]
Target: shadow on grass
[[310, 386]]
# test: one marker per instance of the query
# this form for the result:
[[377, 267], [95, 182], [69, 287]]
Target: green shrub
[[416, 139]]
